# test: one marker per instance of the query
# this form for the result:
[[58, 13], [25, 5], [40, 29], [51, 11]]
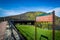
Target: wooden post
[[35, 29], [53, 25]]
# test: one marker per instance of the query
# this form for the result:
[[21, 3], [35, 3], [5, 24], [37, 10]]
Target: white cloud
[[4, 12], [57, 11], [22, 10], [11, 12]]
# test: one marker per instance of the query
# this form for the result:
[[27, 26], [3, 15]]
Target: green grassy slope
[[29, 32]]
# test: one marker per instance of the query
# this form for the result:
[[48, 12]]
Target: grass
[[29, 32]]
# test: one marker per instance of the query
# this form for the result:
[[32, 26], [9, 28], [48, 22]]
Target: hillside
[[24, 16], [27, 16]]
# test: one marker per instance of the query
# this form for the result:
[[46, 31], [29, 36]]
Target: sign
[[48, 18]]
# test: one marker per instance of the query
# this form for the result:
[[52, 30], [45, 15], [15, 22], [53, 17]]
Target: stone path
[[5, 32], [2, 29]]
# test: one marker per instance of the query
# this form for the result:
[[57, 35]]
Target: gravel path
[[5, 32], [2, 29]]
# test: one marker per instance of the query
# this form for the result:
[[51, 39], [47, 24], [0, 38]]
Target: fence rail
[[12, 33], [44, 37]]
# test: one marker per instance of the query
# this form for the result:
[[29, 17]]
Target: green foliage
[[32, 15], [44, 25], [57, 20], [29, 32]]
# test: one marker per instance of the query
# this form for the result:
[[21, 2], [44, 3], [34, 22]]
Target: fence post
[[53, 25]]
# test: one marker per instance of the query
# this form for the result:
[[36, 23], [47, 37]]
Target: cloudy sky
[[15, 7]]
